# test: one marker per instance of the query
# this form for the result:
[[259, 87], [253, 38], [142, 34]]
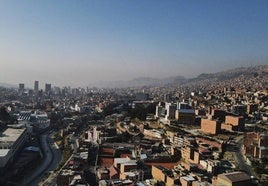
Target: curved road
[[52, 158], [240, 159]]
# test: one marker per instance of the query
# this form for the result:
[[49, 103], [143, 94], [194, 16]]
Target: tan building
[[232, 179], [190, 154], [210, 142], [238, 122], [187, 152], [126, 166], [210, 126], [152, 133], [255, 145], [228, 127], [164, 175], [201, 183], [186, 180]]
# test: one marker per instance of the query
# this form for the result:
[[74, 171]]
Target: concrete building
[[36, 86], [11, 141], [21, 88], [170, 111], [39, 120], [48, 88], [127, 168], [166, 110], [184, 114], [160, 110]]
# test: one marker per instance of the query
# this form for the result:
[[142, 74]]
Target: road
[[52, 157], [51, 180], [56, 152], [57, 156], [240, 158]]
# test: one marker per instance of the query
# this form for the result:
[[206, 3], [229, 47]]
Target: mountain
[[236, 74], [139, 82], [6, 85]]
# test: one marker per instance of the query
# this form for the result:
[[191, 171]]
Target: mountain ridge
[[180, 80]]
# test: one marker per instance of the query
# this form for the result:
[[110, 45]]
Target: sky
[[79, 42]]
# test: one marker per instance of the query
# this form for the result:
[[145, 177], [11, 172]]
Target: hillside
[[257, 74]]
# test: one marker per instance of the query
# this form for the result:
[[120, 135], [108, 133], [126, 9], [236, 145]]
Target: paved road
[[30, 180], [52, 157], [51, 180], [57, 156], [240, 158]]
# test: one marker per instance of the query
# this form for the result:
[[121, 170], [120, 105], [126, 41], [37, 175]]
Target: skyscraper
[[21, 88], [48, 88], [36, 86]]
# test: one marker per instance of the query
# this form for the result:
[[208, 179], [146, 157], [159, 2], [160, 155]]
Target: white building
[[38, 119]]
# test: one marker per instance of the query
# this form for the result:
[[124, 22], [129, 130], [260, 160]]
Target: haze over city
[[81, 42]]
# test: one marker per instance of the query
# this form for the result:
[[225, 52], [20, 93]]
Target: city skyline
[[82, 42]]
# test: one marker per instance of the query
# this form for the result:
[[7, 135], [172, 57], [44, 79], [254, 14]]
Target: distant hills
[[7, 85], [232, 74], [237, 74], [139, 82], [242, 73]]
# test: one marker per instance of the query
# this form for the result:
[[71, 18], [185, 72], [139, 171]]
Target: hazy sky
[[77, 42]]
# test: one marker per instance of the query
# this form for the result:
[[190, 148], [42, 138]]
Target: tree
[[4, 115]]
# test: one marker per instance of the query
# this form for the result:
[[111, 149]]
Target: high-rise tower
[[21, 88], [36, 86], [48, 88]]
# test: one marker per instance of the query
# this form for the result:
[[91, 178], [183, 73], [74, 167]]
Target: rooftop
[[3, 152], [188, 178], [10, 135], [235, 176]]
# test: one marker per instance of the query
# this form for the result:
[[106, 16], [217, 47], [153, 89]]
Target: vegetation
[[5, 116], [264, 98], [260, 167]]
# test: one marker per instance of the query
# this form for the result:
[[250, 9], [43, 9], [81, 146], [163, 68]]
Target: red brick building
[[210, 126]]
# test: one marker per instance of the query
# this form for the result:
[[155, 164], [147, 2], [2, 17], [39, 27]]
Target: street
[[240, 158], [52, 157]]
